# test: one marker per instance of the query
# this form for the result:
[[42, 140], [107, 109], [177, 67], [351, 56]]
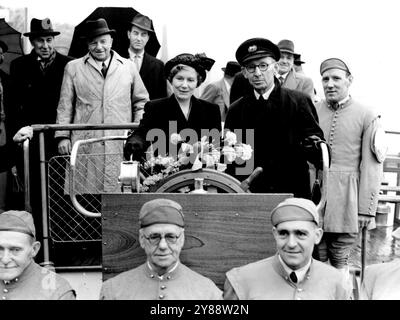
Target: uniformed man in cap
[[20, 277], [162, 276], [356, 138], [291, 274], [284, 124]]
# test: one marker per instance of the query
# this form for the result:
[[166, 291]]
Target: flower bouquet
[[202, 154]]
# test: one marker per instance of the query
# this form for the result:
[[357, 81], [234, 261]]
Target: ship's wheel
[[213, 181]]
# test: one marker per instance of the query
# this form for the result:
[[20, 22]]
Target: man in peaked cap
[[150, 68], [291, 274], [20, 277], [162, 276], [284, 125], [356, 138], [100, 87], [218, 92], [36, 82]]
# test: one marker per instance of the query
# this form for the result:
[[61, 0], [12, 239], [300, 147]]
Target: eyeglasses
[[155, 238], [252, 67]]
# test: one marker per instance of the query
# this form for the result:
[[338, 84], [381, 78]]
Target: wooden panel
[[222, 231]]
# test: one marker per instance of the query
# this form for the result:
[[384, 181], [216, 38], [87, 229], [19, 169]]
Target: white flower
[[208, 159], [229, 153], [246, 151], [166, 161], [176, 138], [187, 148], [230, 138]]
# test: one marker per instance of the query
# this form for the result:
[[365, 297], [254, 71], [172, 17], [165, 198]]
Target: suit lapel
[[224, 90], [144, 69]]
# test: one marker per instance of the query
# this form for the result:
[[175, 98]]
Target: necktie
[[281, 80], [104, 69], [293, 277], [136, 60]]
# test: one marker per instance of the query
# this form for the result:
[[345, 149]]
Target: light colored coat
[[89, 98], [299, 82], [142, 283], [267, 280], [355, 173], [217, 92]]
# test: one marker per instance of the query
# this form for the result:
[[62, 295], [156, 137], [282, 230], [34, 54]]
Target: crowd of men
[[262, 92]]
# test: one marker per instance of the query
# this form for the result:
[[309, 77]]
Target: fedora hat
[[95, 28], [232, 67], [286, 46], [297, 59], [41, 28], [142, 22]]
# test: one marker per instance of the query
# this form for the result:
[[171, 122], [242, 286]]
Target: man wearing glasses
[[285, 126], [162, 276]]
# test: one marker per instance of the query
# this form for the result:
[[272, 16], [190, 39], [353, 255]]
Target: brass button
[[161, 296], [163, 287], [5, 290]]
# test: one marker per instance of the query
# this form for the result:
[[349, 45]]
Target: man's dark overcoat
[[281, 124], [152, 74], [158, 113]]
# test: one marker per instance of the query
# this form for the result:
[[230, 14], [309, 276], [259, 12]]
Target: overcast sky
[[359, 32]]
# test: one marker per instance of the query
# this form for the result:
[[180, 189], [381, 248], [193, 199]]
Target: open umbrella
[[12, 38], [118, 18]]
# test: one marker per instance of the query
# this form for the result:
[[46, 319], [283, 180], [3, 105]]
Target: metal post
[[44, 198], [27, 190]]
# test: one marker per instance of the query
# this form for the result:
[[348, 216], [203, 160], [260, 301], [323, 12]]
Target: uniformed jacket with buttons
[[355, 173], [267, 280], [37, 283], [142, 283]]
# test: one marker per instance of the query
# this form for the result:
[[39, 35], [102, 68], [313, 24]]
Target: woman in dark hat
[[182, 110]]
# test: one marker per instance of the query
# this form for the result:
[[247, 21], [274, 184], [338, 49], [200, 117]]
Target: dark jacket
[[36, 95], [7, 150], [152, 74], [157, 115], [281, 124]]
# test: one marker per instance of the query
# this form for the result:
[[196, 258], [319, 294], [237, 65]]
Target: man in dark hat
[[281, 124], [20, 277], [162, 276], [356, 137], [218, 92], [150, 68], [100, 87], [36, 82], [297, 63], [291, 274]]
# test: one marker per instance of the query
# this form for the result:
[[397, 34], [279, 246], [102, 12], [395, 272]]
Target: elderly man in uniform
[[291, 274], [354, 134], [382, 280], [20, 277], [284, 123], [162, 276]]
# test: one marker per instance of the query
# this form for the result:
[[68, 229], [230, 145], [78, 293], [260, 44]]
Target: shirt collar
[[132, 54], [266, 94], [337, 105], [300, 273], [168, 273]]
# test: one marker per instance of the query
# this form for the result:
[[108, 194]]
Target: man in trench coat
[[101, 87]]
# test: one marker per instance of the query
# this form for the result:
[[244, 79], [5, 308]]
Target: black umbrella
[[12, 38], [117, 18]]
